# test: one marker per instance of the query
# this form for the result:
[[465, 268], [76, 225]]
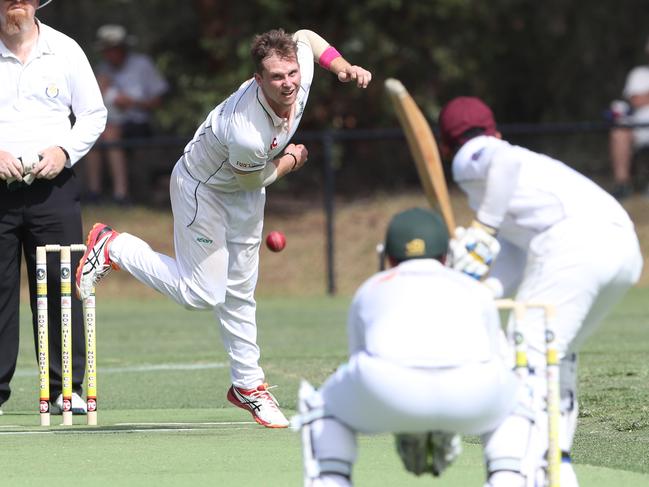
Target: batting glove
[[473, 250]]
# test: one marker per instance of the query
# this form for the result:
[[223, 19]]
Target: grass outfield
[[164, 419]]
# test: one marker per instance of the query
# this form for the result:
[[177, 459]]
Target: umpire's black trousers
[[47, 212]]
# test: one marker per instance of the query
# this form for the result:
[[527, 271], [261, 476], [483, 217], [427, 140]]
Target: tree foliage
[[557, 60]]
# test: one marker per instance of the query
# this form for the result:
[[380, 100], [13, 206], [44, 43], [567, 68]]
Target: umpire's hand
[[10, 167], [52, 163]]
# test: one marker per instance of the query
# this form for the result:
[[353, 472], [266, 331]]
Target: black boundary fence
[[358, 160]]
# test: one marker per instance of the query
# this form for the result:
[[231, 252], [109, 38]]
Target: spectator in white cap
[[625, 140], [132, 88]]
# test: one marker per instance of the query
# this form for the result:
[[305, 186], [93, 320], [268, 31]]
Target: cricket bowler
[[218, 193]]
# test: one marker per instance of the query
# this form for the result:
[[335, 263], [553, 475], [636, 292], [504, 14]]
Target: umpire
[[45, 78]]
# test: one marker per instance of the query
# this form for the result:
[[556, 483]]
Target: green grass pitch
[[164, 419]]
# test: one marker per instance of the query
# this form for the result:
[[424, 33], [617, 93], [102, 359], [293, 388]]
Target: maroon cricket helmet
[[462, 114]]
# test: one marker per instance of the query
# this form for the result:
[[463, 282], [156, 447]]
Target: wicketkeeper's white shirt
[[244, 132], [37, 98], [422, 314], [427, 354]]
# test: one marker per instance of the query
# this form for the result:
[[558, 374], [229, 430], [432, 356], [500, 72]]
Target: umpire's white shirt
[[244, 132], [37, 98]]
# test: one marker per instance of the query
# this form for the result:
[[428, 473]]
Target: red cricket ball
[[276, 241]]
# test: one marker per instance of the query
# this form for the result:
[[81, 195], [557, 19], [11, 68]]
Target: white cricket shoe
[[78, 405], [95, 263], [262, 405]]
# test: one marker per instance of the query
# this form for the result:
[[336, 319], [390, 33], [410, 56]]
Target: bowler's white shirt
[[36, 98], [541, 193], [244, 133], [422, 314]]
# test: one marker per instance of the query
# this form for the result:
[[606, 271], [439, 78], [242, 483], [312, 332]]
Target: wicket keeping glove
[[473, 250], [428, 452]]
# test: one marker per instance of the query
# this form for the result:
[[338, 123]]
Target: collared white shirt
[[243, 132], [540, 193], [139, 79], [422, 314], [37, 98]]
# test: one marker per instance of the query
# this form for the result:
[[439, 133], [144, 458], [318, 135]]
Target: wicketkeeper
[[549, 235], [428, 361]]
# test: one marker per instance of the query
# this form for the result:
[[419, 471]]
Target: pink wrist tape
[[327, 56]]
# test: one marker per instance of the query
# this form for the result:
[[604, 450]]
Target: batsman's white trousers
[[371, 395], [583, 268], [216, 239]]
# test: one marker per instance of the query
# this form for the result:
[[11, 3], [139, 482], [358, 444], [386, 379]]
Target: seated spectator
[[132, 88], [625, 141]]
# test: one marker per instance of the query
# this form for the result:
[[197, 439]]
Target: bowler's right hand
[[300, 152]]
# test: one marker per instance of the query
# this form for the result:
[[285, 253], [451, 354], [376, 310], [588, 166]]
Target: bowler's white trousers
[[216, 240]]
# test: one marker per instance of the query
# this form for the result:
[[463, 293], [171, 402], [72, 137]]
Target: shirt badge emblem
[[52, 91]]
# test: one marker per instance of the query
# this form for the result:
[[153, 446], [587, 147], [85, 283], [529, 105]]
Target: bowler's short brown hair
[[272, 42]]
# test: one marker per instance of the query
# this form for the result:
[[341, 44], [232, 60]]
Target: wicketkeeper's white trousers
[[371, 395], [216, 239]]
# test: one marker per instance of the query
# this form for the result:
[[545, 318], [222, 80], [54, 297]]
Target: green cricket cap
[[416, 233]]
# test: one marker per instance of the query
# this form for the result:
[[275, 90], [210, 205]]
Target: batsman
[[546, 234]]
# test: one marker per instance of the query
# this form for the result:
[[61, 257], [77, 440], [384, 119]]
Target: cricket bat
[[423, 149]]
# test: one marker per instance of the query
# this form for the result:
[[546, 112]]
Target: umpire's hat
[[416, 234]]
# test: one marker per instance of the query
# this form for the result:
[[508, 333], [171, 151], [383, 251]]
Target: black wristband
[[294, 158]]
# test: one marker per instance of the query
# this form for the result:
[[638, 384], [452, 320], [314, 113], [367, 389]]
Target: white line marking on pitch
[[139, 368], [215, 423], [119, 428]]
